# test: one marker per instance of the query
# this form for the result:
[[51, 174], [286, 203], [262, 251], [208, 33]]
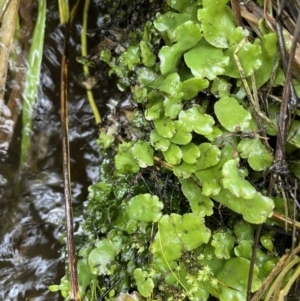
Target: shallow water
[[32, 220]]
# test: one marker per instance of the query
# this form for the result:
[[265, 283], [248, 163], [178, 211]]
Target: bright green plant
[[160, 236], [32, 80]]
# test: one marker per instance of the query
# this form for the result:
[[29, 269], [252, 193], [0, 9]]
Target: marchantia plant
[[181, 194]]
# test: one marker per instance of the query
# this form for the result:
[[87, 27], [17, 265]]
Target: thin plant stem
[[276, 284], [284, 292], [85, 67], [63, 7], [75, 292], [166, 261]]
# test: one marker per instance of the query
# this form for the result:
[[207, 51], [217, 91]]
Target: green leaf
[[106, 139], [190, 153], [144, 283], [209, 259], [235, 182], [169, 21], [206, 61], [184, 170], [173, 105], [105, 55], [102, 257], [146, 76], [263, 263], [249, 58], [181, 6], [237, 279], [181, 136], [210, 177], [84, 275], [54, 288], [257, 154], [268, 54], [142, 152], [192, 231], [279, 78], [254, 211], [100, 191], [194, 120], [64, 286], [267, 242], [220, 87], [139, 94], [154, 106], [148, 57], [223, 242], [270, 265], [187, 35], [158, 141], [125, 222], [192, 86], [145, 208], [32, 77], [296, 84], [231, 114], [166, 241], [149, 31], [243, 231], [131, 57], [124, 161], [224, 32], [244, 249], [219, 5], [178, 233], [171, 84], [200, 204], [165, 127], [214, 134], [173, 155], [294, 134], [295, 168], [210, 156]]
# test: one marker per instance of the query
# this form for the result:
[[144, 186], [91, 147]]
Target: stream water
[[32, 220]]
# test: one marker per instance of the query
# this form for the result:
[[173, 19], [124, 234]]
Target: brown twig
[[237, 12], [75, 293], [252, 262]]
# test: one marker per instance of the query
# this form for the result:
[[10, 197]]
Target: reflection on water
[[29, 251], [32, 220]]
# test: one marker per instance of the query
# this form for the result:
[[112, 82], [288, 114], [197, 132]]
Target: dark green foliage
[[151, 221]]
